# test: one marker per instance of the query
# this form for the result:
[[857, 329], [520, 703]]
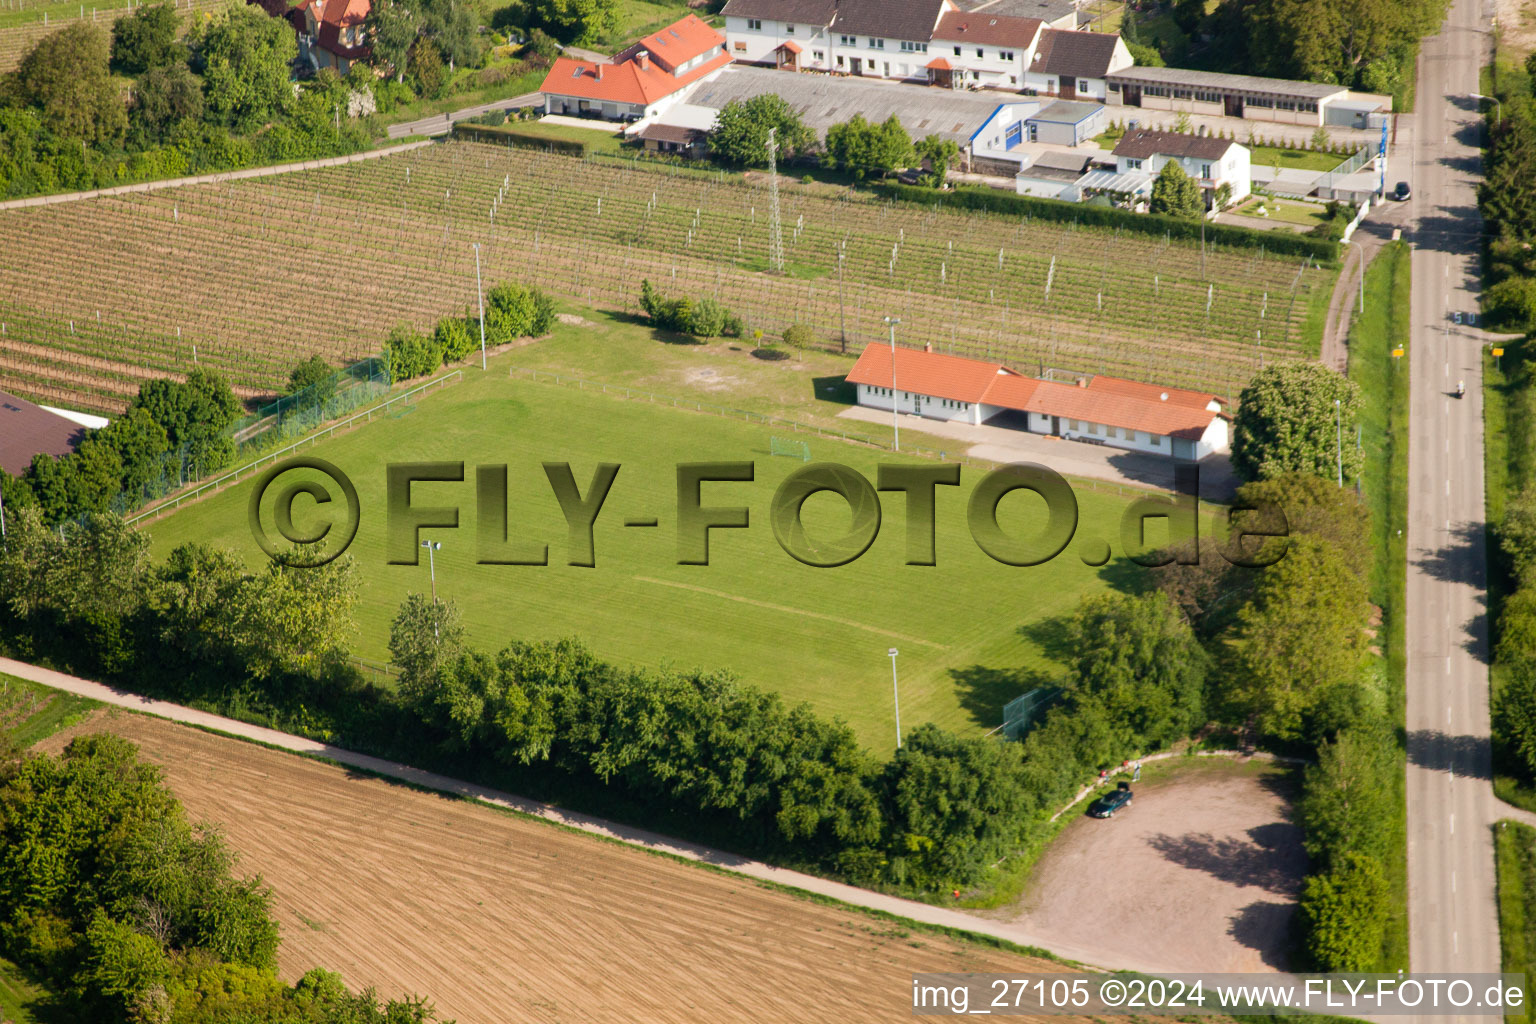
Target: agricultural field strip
[[406, 262]]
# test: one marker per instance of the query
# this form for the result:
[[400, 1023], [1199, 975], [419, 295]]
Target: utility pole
[[775, 235], [480, 294], [896, 693], [895, 429]]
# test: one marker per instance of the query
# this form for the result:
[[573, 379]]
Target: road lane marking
[[1447, 714], [1453, 824], [1453, 881], [1447, 664], [1447, 487]]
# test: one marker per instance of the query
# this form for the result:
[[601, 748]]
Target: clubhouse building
[[1092, 408]]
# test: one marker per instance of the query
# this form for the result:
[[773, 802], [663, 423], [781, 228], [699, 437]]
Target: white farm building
[[1097, 409]]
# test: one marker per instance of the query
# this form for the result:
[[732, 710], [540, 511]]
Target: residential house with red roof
[[1094, 408], [974, 48], [641, 81], [332, 32]]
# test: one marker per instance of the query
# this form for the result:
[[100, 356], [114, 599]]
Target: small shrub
[[408, 354], [704, 318], [799, 336], [454, 337]]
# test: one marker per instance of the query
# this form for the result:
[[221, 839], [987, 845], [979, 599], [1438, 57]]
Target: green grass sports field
[[816, 634]]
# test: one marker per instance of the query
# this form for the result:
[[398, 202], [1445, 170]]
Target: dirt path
[[1200, 874], [749, 869], [501, 918]]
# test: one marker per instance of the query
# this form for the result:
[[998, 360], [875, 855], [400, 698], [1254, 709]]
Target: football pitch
[[971, 632]]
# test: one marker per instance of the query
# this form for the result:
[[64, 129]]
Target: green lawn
[[813, 634], [20, 1000], [600, 138], [1515, 852], [1301, 159], [1288, 210]]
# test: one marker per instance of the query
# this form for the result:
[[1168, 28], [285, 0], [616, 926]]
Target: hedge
[[511, 135], [995, 201]]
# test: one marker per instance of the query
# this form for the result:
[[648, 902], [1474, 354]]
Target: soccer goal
[[1023, 713], [793, 449]]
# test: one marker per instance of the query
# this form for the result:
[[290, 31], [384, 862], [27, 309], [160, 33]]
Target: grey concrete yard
[[1069, 458]]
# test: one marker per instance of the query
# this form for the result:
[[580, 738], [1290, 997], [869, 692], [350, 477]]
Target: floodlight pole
[[480, 295], [1338, 432], [896, 693], [895, 428], [2, 514], [1498, 110], [431, 547]]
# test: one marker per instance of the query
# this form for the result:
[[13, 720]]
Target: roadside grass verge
[[1383, 382], [1515, 855]]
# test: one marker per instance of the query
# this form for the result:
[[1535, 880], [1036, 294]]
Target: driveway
[[1069, 458]]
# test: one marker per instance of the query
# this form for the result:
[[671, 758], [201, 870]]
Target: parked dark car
[[1115, 800], [1402, 192]]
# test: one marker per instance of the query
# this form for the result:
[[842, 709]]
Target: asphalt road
[[441, 124], [1453, 918]]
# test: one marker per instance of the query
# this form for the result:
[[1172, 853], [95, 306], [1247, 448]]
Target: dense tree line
[[172, 431], [1508, 205], [219, 98], [130, 913], [1361, 44]]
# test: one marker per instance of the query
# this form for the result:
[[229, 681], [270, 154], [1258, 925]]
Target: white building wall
[[757, 46], [1215, 439], [1117, 437], [927, 406], [886, 58], [985, 65]]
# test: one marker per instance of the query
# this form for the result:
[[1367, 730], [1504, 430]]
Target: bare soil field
[[1201, 873], [1517, 25], [498, 918]]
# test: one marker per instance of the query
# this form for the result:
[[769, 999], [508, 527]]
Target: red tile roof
[[331, 18], [27, 429], [927, 373], [988, 29], [791, 46], [631, 78], [1112, 401], [939, 64]]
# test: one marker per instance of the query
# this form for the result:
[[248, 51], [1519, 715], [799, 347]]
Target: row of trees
[[702, 318], [1298, 652], [219, 98], [512, 311], [172, 431], [862, 148], [130, 913], [1509, 209]]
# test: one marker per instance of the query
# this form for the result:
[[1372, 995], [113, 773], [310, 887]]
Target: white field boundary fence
[[641, 395], [236, 475]]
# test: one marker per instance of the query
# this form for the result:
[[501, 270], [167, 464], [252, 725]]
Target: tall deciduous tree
[[1302, 637], [740, 135], [146, 39], [940, 154], [869, 150], [425, 636], [1344, 913], [66, 75], [244, 57], [579, 21], [164, 98], [1319, 508], [1139, 657], [1287, 422]]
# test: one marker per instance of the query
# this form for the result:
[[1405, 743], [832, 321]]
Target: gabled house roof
[[810, 12], [637, 75], [1171, 412], [984, 29], [675, 45], [1075, 54], [889, 19], [1144, 143], [27, 429], [334, 16]]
